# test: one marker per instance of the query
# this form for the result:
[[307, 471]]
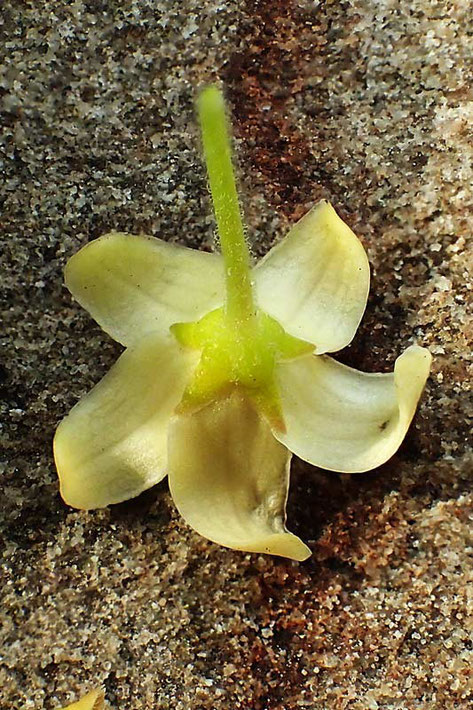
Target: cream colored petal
[[344, 420], [133, 285], [92, 701], [113, 444], [316, 281], [229, 478]]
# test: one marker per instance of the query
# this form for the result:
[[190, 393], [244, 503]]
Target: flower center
[[242, 354], [240, 344]]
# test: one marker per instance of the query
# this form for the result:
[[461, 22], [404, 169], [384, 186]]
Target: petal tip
[[283, 544], [297, 550], [73, 494], [415, 361], [94, 700]]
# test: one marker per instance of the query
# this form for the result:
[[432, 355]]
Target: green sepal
[[238, 354]]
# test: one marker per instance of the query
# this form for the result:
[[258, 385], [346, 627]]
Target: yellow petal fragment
[[229, 478], [113, 444], [316, 281], [92, 701], [133, 285], [344, 420]]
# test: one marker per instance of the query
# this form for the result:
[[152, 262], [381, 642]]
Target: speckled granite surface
[[368, 103]]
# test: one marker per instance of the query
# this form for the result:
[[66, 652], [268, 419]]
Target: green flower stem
[[211, 107]]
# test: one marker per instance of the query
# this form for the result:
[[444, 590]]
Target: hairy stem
[[217, 151]]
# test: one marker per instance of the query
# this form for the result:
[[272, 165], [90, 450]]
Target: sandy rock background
[[367, 103]]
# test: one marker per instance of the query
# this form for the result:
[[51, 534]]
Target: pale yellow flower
[[226, 373]]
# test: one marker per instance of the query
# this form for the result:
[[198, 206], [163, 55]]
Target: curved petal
[[229, 478], [92, 701], [316, 281], [113, 444], [344, 420], [132, 285]]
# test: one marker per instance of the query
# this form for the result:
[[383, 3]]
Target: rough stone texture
[[368, 103]]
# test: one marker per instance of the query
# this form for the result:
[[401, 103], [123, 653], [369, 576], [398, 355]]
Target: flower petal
[[113, 444], [316, 281], [132, 285], [229, 478], [92, 701], [344, 420]]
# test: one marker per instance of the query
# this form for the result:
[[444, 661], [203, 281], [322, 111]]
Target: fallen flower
[[92, 701], [225, 372]]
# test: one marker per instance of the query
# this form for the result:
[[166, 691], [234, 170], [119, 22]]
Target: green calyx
[[240, 345], [242, 354]]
